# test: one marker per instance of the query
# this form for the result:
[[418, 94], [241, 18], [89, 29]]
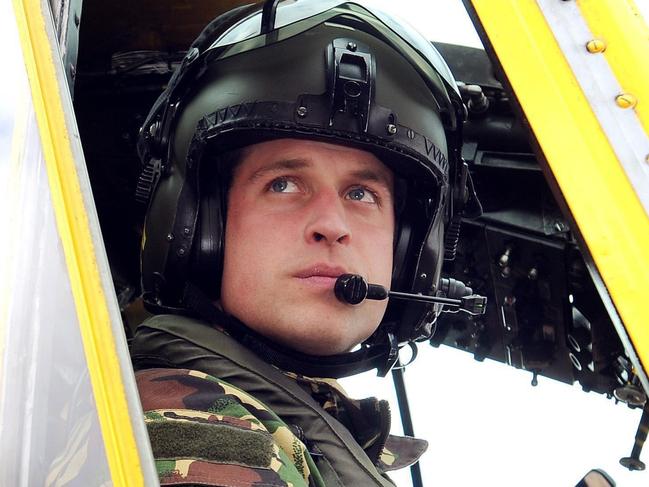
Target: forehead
[[297, 154]]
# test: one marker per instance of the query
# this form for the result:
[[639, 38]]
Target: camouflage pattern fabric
[[206, 432], [369, 422]]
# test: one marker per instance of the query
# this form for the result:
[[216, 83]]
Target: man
[[279, 158]]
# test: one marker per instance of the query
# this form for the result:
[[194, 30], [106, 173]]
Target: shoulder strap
[[180, 342]]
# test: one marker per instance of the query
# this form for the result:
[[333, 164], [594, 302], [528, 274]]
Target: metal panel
[[67, 17], [111, 375], [541, 51]]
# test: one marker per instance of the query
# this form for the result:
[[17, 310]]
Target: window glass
[[50, 429]]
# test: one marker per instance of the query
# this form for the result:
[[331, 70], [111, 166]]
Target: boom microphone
[[354, 289]]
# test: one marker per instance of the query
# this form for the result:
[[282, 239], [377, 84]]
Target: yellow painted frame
[[626, 35], [611, 219], [42, 59]]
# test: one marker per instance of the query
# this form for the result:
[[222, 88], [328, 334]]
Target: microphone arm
[[353, 289]]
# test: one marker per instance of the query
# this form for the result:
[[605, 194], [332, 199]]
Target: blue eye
[[283, 185], [278, 185], [361, 194]]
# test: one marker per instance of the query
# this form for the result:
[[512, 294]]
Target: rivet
[[186, 230], [423, 275], [181, 251], [352, 46], [503, 261], [596, 45], [170, 237], [153, 129], [391, 128], [301, 111], [626, 100], [192, 55]]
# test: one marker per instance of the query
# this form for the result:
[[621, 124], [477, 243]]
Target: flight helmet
[[337, 72]]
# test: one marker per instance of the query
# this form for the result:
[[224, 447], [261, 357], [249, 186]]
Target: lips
[[320, 271]]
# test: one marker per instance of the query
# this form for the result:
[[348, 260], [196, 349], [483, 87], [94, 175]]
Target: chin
[[325, 339], [312, 327], [323, 349]]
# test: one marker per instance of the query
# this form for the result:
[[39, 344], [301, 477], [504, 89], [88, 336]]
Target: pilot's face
[[300, 213]]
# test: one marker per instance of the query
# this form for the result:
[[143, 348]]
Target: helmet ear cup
[[402, 250], [207, 263]]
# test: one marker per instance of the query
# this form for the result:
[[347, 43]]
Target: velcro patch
[[213, 442]]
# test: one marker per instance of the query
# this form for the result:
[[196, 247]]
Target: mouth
[[320, 275]]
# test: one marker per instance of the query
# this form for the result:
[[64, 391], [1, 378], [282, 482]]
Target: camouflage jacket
[[216, 431]]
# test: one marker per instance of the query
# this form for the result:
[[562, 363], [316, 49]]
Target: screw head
[[391, 128], [559, 226], [632, 463], [170, 237], [352, 46], [595, 46], [301, 111], [153, 129], [186, 230], [423, 275], [192, 55], [626, 100], [631, 395], [181, 251]]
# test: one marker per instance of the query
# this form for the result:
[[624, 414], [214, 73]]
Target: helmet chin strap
[[381, 357]]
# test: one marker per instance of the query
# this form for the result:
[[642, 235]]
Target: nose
[[327, 221]]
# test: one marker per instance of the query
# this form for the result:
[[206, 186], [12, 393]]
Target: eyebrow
[[374, 176], [280, 165]]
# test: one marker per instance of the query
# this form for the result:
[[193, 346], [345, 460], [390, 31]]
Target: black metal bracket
[[268, 16]]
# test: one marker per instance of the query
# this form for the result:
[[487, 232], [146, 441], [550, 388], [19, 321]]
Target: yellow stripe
[[620, 25], [73, 226], [602, 202]]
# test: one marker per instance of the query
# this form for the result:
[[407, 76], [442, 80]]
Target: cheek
[[239, 255], [377, 249], [253, 240]]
